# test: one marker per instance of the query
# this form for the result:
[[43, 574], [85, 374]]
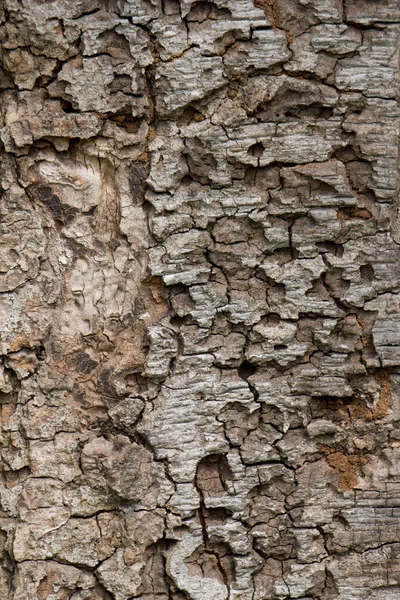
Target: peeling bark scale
[[200, 300]]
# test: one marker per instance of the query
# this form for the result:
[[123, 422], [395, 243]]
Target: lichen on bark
[[199, 300]]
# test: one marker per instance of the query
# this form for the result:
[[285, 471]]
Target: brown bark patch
[[381, 409], [213, 562], [346, 465], [273, 11], [353, 212]]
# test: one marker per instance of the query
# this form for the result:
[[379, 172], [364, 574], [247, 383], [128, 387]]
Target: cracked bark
[[199, 299]]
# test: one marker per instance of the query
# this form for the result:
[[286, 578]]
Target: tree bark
[[200, 300]]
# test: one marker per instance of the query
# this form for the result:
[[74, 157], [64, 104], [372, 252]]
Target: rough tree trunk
[[200, 300]]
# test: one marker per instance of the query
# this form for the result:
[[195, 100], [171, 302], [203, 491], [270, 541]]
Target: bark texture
[[200, 300]]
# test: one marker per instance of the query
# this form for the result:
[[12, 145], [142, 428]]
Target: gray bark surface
[[200, 300]]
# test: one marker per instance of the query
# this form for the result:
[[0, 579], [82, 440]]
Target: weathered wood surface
[[200, 300]]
